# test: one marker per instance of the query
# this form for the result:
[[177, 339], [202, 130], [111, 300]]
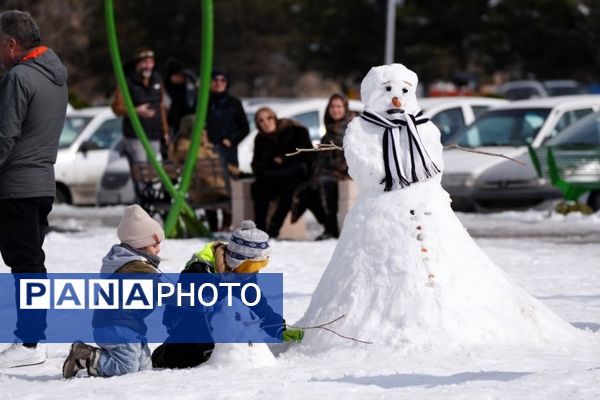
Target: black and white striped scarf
[[405, 157]]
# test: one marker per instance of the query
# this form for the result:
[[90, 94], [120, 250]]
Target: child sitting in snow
[[246, 253], [140, 237]]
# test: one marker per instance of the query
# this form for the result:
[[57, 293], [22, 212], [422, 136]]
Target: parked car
[[115, 186], [519, 90], [564, 87], [485, 182], [450, 114], [83, 150], [526, 89]]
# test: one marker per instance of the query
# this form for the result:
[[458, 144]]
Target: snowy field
[[555, 258]]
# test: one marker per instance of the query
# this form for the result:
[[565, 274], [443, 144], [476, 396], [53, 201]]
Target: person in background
[[226, 121], [277, 176], [181, 87], [212, 179], [226, 125], [146, 89], [33, 104], [320, 194]]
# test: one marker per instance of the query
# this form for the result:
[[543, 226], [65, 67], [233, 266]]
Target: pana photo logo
[[129, 293]]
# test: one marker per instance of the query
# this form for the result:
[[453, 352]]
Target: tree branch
[[320, 326], [320, 147], [455, 146], [324, 327]]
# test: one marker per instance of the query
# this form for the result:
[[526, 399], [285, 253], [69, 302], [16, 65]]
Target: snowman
[[405, 272]]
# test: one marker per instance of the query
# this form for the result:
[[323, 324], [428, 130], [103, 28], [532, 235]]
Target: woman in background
[[277, 176], [320, 195]]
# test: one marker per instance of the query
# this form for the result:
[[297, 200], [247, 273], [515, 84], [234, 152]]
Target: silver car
[[482, 182]]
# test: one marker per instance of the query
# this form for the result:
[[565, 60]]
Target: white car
[[527, 89], [83, 152], [449, 114], [486, 182]]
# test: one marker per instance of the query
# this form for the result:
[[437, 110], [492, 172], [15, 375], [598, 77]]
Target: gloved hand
[[293, 335]]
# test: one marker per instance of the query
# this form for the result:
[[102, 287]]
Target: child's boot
[[81, 356]]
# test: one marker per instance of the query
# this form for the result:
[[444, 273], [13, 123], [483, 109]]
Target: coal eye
[[404, 90], [388, 88]]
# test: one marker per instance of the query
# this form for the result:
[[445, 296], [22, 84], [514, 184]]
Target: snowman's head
[[390, 89]]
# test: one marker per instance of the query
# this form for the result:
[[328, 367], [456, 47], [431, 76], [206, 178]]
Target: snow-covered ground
[[555, 258]]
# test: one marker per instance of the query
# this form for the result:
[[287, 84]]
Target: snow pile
[[240, 355], [238, 318], [405, 272]]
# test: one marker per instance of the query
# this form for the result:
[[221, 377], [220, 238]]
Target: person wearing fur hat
[[247, 252], [128, 352]]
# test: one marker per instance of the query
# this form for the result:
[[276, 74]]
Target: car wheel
[[594, 200], [62, 195]]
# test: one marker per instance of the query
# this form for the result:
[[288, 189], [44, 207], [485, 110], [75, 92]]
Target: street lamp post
[[390, 30]]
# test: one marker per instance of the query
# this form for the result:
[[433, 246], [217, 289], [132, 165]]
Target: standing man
[[226, 125], [182, 89], [226, 122], [146, 91], [33, 104]]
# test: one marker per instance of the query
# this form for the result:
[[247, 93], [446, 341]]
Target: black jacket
[[140, 94], [33, 103], [333, 163], [226, 119], [183, 101], [289, 136]]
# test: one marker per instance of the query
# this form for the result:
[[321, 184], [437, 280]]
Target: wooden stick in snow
[[324, 327]]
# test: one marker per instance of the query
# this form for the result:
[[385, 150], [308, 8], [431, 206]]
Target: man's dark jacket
[[33, 103]]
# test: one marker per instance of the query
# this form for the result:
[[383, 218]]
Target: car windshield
[[563, 90], [72, 128], [515, 127], [583, 134], [521, 93]]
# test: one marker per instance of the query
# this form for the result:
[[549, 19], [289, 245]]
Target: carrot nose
[[396, 102]]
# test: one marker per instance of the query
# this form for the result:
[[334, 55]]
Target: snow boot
[[81, 356], [17, 355]]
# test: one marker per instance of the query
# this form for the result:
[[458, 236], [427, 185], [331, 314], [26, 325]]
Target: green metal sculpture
[[181, 220], [571, 188]]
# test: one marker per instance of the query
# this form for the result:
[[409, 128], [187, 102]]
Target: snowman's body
[[405, 272]]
